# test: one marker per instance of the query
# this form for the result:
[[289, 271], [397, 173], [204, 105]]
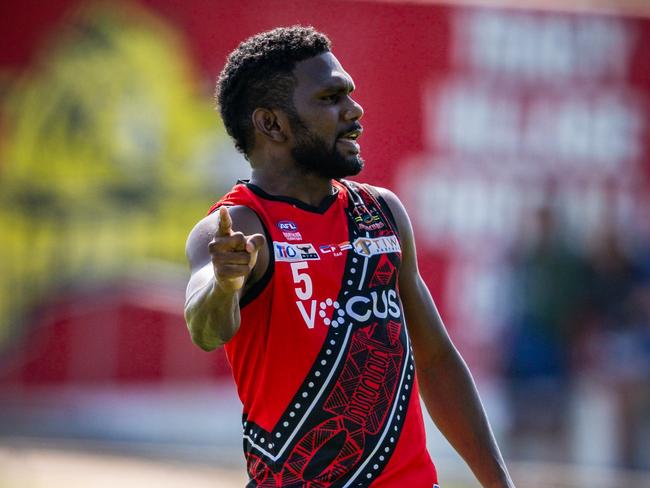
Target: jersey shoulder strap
[[364, 195]]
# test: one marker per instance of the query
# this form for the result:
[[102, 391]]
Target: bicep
[[197, 247], [198, 255], [201, 278], [426, 330]]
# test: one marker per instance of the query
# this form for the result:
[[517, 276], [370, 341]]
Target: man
[[309, 281]]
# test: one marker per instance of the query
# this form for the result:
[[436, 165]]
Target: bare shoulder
[[244, 220], [390, 197]]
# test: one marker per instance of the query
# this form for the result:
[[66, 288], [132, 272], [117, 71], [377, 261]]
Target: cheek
[[324, 122]]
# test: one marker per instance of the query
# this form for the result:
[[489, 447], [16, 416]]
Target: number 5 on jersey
[[304, 291]]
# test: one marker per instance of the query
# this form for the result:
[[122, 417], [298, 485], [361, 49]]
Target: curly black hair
[[259, 74]]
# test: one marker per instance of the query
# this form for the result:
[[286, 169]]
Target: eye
[[332, 98]]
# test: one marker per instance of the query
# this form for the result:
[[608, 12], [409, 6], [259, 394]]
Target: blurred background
[[516, 133]]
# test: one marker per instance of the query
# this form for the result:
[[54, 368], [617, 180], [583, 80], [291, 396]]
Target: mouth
[[352, 135], [349, 139]]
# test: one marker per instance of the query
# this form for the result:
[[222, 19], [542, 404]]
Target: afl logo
[[287, 225]]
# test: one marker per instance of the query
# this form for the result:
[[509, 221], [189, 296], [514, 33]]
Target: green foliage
[[103, 167]]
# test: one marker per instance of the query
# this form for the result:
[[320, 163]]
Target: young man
[[311, 283]]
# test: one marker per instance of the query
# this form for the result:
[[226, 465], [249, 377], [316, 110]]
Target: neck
[[289, 182]]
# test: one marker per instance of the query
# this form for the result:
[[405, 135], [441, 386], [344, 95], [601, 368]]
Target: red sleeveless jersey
[[322, 361]]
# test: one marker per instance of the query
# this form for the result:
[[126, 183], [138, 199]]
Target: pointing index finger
[[225, 223]]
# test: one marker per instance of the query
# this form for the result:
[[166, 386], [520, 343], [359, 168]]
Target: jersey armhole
[[254, 291]]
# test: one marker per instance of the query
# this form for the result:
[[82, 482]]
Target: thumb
[[254, 243]]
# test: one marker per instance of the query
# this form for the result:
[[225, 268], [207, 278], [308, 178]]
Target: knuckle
[[220, 257], [232, 270], [216, 245], [239, 239]]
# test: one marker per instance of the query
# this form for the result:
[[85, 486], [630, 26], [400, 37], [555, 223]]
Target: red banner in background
[[536, 110], [475, 117]]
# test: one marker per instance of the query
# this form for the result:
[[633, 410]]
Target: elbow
[[206, 346], [207, 341], [198, 336], [200, 340], [208, 333]]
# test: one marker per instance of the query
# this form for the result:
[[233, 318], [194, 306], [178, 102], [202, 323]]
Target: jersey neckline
[[327, 202]]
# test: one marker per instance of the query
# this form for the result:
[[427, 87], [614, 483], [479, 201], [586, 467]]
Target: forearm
[[451, 398], [212, 315]]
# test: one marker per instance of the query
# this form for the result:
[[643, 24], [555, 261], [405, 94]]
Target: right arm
[[224, 265]]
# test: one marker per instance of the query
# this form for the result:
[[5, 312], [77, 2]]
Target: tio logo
[[286, 252]]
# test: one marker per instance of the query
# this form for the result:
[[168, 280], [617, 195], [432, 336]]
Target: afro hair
[[258, 73]]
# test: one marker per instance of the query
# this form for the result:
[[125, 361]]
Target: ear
[[271, 124]]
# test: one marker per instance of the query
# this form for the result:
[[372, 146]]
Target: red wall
[[400, 55]]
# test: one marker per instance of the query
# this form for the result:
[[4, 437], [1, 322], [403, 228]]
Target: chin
[[344, 168], [355, 166]]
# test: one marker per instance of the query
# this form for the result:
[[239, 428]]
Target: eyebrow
[[338, 84]]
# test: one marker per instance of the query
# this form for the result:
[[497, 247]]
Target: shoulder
[[244, 220], [395, 206], [389, 197], [384, 195]]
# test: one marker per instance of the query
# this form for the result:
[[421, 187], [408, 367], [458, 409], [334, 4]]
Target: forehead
[[320, 72]]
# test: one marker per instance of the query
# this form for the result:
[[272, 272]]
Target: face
[[325, 125]]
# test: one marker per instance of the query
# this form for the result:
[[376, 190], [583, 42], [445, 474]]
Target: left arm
[[446, 384]]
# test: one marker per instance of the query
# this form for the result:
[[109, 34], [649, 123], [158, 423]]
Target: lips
[[352, 134], [349, 139]]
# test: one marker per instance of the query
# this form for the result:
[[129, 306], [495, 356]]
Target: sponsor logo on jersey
[[292, 236], [289, 230], [371, 246], [366, 219], [287, 226], [335, 249], [375, 226], [285, 251], [362, 308], [378, 305]]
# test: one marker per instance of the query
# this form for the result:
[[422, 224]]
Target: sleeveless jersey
[[322, 360]]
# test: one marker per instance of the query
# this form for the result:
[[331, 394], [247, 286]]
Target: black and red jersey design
[[322, 360]]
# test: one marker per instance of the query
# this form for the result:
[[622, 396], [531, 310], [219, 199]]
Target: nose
[[354, 111]]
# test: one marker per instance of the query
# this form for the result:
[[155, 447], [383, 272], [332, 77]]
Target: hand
[[233, 254]]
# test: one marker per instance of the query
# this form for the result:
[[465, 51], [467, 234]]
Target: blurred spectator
[[614, 275], [549, 298], [614, 347], [578, 315]]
